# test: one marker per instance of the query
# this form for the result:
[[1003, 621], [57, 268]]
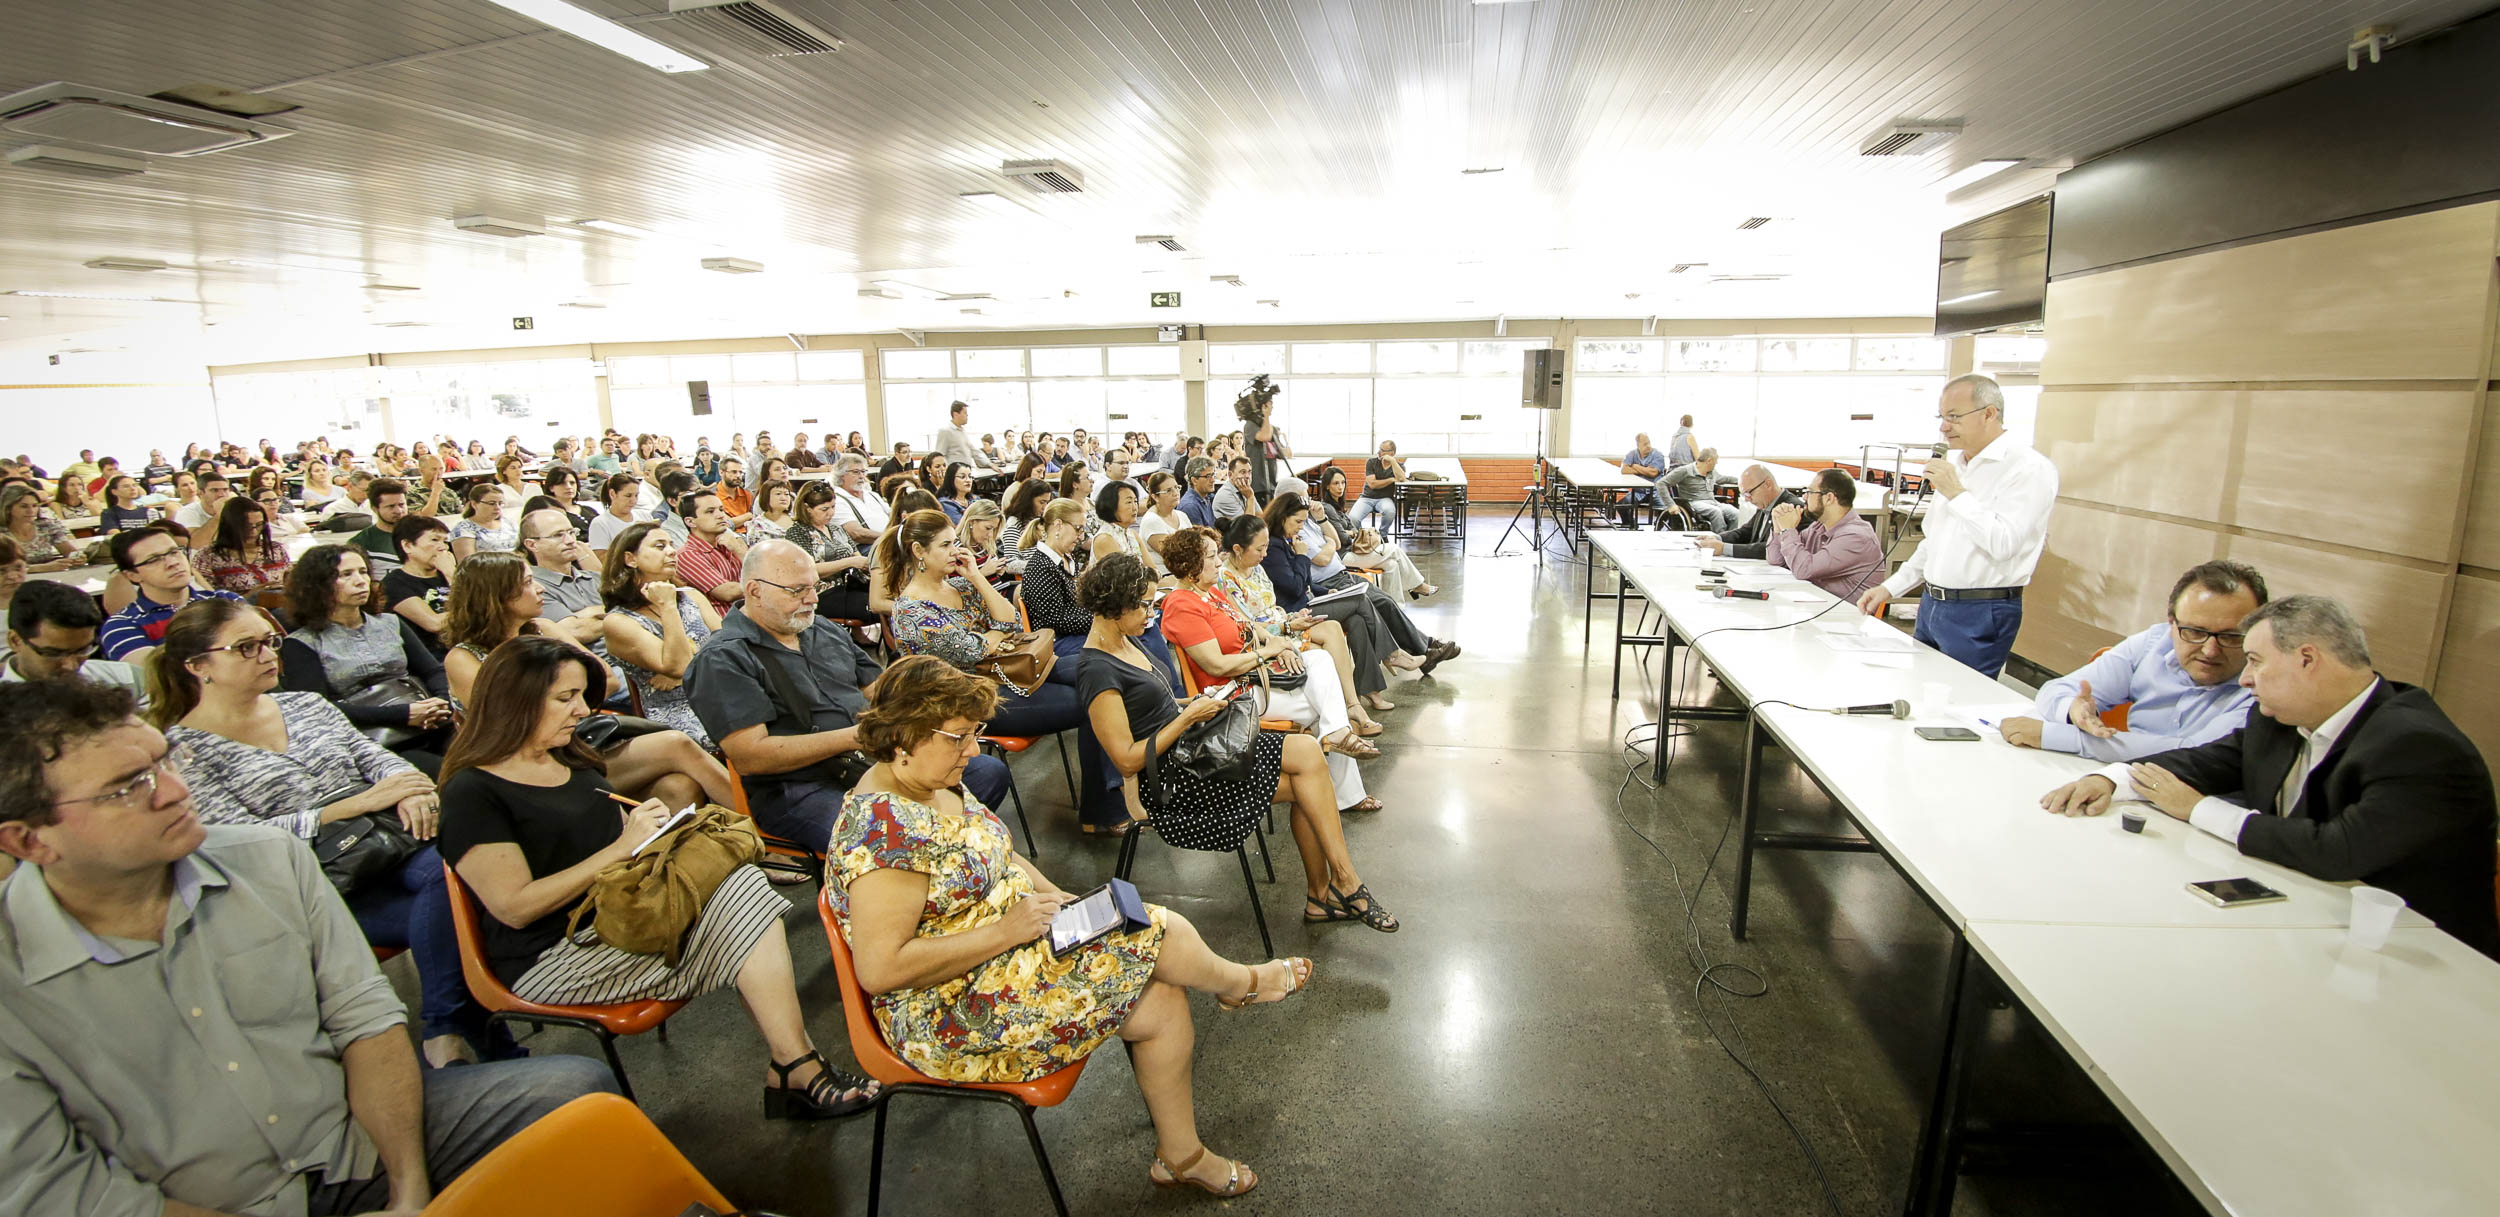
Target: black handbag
[[361, 849], [1275, 677], [1221, 749], [392, 692], [606, 733]]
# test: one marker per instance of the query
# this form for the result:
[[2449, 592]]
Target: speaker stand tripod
[[1534, 507]]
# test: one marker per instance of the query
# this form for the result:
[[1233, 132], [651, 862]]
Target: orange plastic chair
[[899, 1078], [596, 1154], [2115, 717], [781, 853], [604, 1021]]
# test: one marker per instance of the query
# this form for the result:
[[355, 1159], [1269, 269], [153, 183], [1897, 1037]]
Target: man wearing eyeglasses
[[52, 628], [195, 1023], [1751, 538], [161, 568], [782, 691], [1988, 503], [2182, 676]]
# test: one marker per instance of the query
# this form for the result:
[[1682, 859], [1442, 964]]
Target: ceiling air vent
[[760, 26], [124, 122], [1166, 242], [1912, 137], [1754, 222], [1045, 177]]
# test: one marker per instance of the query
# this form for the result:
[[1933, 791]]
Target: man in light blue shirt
[[1642, 461], [2182, 676]]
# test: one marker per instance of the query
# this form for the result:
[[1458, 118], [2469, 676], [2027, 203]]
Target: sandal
[[1172, 1176], [1369, 728], [1339, 906], [1353, 746], [1369, 803], [1298, 977], [829, 1095], [1421, 591]]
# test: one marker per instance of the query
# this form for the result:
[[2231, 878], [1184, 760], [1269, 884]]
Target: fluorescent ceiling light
[[733, 266], [125, 264], [599, 31], [1967, 299], [1491, 3], [392, 287], [93, 296], [1977, 171], [990, 201], [584, 304], [614, 229], [257, 264], [900, 289]]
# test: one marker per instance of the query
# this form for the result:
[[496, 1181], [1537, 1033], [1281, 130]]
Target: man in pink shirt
[[1836, 550]]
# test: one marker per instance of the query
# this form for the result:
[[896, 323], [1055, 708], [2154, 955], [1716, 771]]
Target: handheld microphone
[[1725, 593], [1897, 708]]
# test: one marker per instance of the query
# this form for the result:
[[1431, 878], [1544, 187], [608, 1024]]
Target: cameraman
[[1263, 439]]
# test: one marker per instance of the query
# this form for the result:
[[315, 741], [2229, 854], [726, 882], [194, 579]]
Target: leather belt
[[1976, 593]]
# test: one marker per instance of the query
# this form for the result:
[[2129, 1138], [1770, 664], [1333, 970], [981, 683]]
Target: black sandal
[[1339, 906], [820, 1099]]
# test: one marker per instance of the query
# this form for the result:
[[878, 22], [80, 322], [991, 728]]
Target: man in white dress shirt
[[1987, 517]]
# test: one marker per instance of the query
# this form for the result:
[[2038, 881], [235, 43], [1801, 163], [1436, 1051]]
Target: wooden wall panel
[[2103, 576], [2469, 661], [2262, 459], [2399, 605], [2482, 518], [2402, 299]]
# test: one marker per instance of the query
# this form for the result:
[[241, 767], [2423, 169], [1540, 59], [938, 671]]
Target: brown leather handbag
[[1022, 662]]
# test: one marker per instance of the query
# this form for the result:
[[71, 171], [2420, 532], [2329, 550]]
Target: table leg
[[1588, 600], [1748, 799], [1614, 690], [1937, 1169], [1666, 700]]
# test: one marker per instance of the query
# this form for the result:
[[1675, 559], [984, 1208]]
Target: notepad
[[683, 814]]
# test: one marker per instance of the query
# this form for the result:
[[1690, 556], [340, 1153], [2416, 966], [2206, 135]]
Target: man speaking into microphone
[[1988, 502]]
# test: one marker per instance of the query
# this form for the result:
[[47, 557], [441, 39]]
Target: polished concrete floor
[[1530, 1042]]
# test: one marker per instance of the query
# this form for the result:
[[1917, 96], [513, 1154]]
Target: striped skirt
[[581, 970]]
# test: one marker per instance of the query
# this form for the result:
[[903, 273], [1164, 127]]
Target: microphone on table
[[1897, 708]]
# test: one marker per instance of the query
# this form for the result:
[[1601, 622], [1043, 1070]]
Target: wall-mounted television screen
[[1993, 272]]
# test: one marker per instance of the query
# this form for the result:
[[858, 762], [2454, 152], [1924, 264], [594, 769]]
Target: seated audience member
[[1076, 483], [531, 821], [557, 556], [900, 462], [675, 486], [52, 631], [1749, 538], [607, 461], [160, 569], [707, 560], [483, 529], [355, 494], [121, 509], [1032, 465], [13, 570], [1303, 566], [653, 626], [42, 541], [254, 755], [801, 456], [2182, 675], [948, 931], [735, 497], [202, 515], [112, 1105], [1117, 508], [283, 524], [1383, 473], [72, 500], [957, 493], [1366, 549], [563, 491], [389, 499], [1244, 581], [2336, 773], [319, 490], [783, 690], [363, 662], [1049, 589], [1128, 703], [1207, 629], [1836, 550], [945, 606], [621, 492], [841, 570], [1024, 505], [980, 531], [776, 508], [81, 469], [1694, 487], [1198, 501], [1161, 517], [1236, 498], [418, 590], [906, 501]]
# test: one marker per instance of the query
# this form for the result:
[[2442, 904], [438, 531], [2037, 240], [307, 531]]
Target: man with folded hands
[[2337, 773], [2182, 677], [1823, 540]]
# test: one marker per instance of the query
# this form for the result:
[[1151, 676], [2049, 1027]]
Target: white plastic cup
[[2373, 916]]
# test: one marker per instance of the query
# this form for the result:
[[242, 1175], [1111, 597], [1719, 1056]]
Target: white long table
[[2060, 908]]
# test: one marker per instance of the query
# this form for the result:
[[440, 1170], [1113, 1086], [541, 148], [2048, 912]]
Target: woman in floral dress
[[948, 932]]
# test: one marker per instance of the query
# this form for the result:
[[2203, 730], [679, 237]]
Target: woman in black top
[[1128, 704], [121, 506], [528, 823], [419, 588]]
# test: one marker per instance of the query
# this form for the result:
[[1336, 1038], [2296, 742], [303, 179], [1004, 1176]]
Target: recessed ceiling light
[[497, 226], [257, 264], [584, 304], [1165, 241], [392, 287], [899, 290], [1273, 303], [878, 293], [93, 296], [77, 162], [614, 229], [599, 31], [141, 264], [1976, 172], [1490, 169]]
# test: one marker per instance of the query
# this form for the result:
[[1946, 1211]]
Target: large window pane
[[1067, 361], [638, 372], [1606, 411], [1245, 359], [914, 410], [1162, 359], [1710, 355], [1417, 358], [1619, 355], [1009, 362], [1328, 416], [1900, 355], [1722, 408], [1157, 407], [713, 369], [1420, 413], [1320, 357], [916, 364], [832, 365], [1501, 424], [1061, 406], [775, 367], [638, 410], [1497, 359], [1805, 354]]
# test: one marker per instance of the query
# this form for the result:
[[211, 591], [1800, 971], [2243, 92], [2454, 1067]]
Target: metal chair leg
[[1041, 1158], [1265, 860], [1257, 911], [1128, 850], [876, 1156], [616, 1065], [1066, 767]]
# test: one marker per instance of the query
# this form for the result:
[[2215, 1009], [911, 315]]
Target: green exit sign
[[1163, 300]]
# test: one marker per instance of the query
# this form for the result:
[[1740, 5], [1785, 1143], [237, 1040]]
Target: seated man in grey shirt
[[190, 1021]]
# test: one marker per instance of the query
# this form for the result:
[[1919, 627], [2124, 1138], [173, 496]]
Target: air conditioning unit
[[732, 266], [499, 226], [1912, 137], [1045, 177], [124, 122], [76, 161], [760, 26]]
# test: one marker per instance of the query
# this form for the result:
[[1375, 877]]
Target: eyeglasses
[[157, 557], [1941, 417], [2231, 640], [62, 652], [249, 648], [805, 590], [964, 738], [140, 790]]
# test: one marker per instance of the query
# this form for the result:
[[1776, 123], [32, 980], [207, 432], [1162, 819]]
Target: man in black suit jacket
[[2337, 773], [1751, 538]]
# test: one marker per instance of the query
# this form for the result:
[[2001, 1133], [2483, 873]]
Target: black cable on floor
[[1708, 974]]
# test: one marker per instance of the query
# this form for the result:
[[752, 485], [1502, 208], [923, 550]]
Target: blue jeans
[[414, 911], [1978, 634], [805, 811], [1364, 509], [468, 1112]]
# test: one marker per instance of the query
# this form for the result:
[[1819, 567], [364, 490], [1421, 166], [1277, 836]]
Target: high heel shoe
[[822, 1097]]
